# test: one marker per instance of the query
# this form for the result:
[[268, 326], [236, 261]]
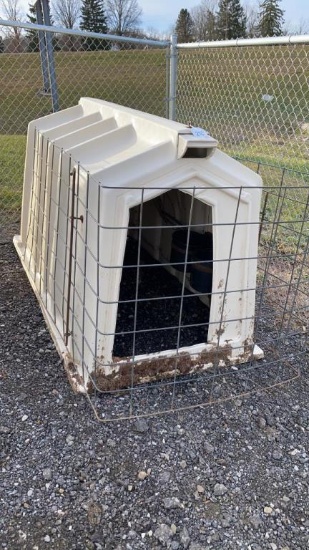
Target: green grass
[[12, 158], [219, 89], [133, 78], [281, 156]]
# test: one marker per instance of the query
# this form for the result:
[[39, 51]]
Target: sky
[[162, 14]]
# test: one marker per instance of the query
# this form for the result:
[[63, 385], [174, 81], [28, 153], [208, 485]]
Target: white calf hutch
[[140, 239]]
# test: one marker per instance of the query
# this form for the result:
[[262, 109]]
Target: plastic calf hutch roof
[[98, 175]]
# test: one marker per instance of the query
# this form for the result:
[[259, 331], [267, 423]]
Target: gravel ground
[[233, 475]]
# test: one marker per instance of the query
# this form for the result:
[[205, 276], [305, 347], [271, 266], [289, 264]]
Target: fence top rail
[[266, 41], [86, 34]]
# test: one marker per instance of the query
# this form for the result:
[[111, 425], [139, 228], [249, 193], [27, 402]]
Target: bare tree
[[300, 27], [123, 16], [153, 34], [204, 19], [66, 12], [12, 10], [252, 18]]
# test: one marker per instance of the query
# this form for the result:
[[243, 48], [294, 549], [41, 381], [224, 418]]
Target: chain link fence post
[[172, 78], [43, 50], [50, 58]]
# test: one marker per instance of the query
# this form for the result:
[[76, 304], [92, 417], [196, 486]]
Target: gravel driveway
[[230, 476]]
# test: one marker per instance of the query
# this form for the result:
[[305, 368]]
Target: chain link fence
[[254, 99], [128, 72]]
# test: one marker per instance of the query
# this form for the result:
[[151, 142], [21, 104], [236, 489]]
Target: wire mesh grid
[[165, 303]]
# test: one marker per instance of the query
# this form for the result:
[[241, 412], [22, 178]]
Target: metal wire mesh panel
[[281, 325], [128, 73], [164, 307]]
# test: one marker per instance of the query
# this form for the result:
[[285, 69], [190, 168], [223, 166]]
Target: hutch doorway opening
[[166, 284]]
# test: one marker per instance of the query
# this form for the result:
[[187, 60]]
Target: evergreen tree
[[33, 38], [93, 19], [184, 27], [231, 20], [271, 18], [1, 45]]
